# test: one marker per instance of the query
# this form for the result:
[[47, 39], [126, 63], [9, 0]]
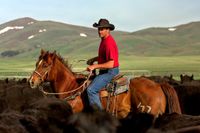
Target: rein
[[68, 92]]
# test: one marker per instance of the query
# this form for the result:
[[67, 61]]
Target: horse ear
[[54, 55], [192, 77], [42, 51]]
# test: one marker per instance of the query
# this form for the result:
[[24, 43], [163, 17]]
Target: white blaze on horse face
[[30, 80], [33, 83], [40, 63]]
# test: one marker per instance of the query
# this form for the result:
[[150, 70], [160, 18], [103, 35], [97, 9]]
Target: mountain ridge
[[24, 37]]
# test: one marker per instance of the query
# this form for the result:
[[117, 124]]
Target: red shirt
[[108, 50]]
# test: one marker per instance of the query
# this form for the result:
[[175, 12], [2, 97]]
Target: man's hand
[[91, 68]]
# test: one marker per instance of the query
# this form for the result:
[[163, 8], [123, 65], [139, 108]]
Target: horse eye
[[44, 65]]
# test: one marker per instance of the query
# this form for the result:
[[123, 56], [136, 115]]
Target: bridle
[[81, 88], [78, 90], [45, 72]]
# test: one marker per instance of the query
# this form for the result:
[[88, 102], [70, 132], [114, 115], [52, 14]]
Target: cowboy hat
[[104, 23]]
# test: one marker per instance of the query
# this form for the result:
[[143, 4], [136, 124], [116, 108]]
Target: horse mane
[[58, 56], [64, 62]]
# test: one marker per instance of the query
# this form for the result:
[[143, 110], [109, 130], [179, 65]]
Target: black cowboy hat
[[104, 23]]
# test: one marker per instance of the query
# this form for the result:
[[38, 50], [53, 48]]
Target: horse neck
[[64, 79]]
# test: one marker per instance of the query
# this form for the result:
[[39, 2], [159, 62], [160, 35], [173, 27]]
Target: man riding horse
[[107, 62], [142, 95]]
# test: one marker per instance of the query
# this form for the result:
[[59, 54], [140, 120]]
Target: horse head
[[42, 68], [186, 78]]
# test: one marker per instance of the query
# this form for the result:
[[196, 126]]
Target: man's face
[[103, 32]]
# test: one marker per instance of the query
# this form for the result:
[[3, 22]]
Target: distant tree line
[[9, 53]]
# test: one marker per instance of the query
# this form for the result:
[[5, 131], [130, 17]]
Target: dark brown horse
[[144, 95]]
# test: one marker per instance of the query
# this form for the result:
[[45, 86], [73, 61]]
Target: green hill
[[179, 40], [24, 37]]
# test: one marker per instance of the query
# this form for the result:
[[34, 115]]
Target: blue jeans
[[98, 83]]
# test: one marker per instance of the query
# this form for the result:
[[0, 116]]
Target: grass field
[[131, 65]]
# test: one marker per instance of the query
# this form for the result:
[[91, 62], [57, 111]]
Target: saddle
[[118, 85], [108, 95]]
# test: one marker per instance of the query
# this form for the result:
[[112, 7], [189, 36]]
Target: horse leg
[[123, 105]]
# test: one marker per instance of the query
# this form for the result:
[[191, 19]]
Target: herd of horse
[[143, 95]]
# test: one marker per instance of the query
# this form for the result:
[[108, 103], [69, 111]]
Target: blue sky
[[126, 15]]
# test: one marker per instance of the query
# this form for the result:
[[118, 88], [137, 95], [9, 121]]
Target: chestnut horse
[[144, 95]]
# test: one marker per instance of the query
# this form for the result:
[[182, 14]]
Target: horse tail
[[173, 104]]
